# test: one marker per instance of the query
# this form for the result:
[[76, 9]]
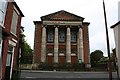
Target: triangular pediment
[[62, 15]]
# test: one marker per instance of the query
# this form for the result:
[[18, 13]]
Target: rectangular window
[[9, 56], [61, 36], [73, 36], [14, 23], [50, 36], [3, 5]]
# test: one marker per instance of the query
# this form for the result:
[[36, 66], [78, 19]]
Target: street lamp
[[80, 61], [108, 46]]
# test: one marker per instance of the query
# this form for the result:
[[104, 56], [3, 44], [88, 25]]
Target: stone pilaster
[[68, 46], [78, 42], [56, 46], [80, 45], [43, 46]]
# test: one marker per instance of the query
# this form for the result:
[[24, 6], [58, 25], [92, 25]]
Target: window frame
[[4, 13], [49, 36], [16, 13], [63, 33], [73, 34]]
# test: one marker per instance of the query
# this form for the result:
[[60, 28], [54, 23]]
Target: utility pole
[[108, 46]]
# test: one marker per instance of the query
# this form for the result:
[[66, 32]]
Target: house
[[10, 23], [116, 28]]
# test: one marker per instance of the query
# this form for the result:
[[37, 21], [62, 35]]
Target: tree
[[26, 50], [96, 56], [113, 56]]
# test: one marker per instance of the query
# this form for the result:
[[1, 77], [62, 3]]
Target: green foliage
[[26, 50], [113, 55], [96, 56]]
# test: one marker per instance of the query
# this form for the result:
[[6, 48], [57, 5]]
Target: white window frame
[[13, 44], [1, 57], [1, 47], [2, 24], [14, 13]]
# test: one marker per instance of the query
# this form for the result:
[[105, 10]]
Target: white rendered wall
[[117, 43]]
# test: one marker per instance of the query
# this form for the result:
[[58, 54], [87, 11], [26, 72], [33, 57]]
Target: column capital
[[79, 26], [56, 26], [44, 26], [68, 26]]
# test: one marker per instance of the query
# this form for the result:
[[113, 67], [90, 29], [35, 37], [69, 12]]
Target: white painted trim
[[12, 43], [73, 54], [14, 40], [1, 46], [61, 54], [62, 23], [1, 59], [12, 64], [16, 10], [50, 54]]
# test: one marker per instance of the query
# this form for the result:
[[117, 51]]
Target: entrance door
[[8, 63], [61, 59], [73, 59], [50, 59]]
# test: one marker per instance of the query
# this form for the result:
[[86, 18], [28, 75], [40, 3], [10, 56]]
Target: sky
[[91, 10]]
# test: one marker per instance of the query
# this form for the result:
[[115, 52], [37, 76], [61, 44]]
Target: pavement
[[65, 75]]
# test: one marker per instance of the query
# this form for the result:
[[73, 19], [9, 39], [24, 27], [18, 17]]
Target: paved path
[[60, 75]]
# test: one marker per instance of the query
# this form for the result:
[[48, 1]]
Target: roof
[[35, 22], [87, 23], [62, 15], [18, 8], [115, 24]]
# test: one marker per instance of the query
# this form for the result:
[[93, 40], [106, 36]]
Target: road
[[60, 75]]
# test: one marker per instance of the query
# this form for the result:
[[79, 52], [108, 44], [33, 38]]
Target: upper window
[[61, 36], [3, 4], [14, 22], [50, 36], [73, 36]]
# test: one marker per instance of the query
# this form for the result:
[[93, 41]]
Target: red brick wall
[[86, 43], [5, 43], [37, 42]]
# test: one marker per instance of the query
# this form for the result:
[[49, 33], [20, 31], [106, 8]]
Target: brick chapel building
[[61, 37]]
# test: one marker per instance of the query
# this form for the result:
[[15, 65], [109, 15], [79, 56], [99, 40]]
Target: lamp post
[[80, 61], [108, 46]]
